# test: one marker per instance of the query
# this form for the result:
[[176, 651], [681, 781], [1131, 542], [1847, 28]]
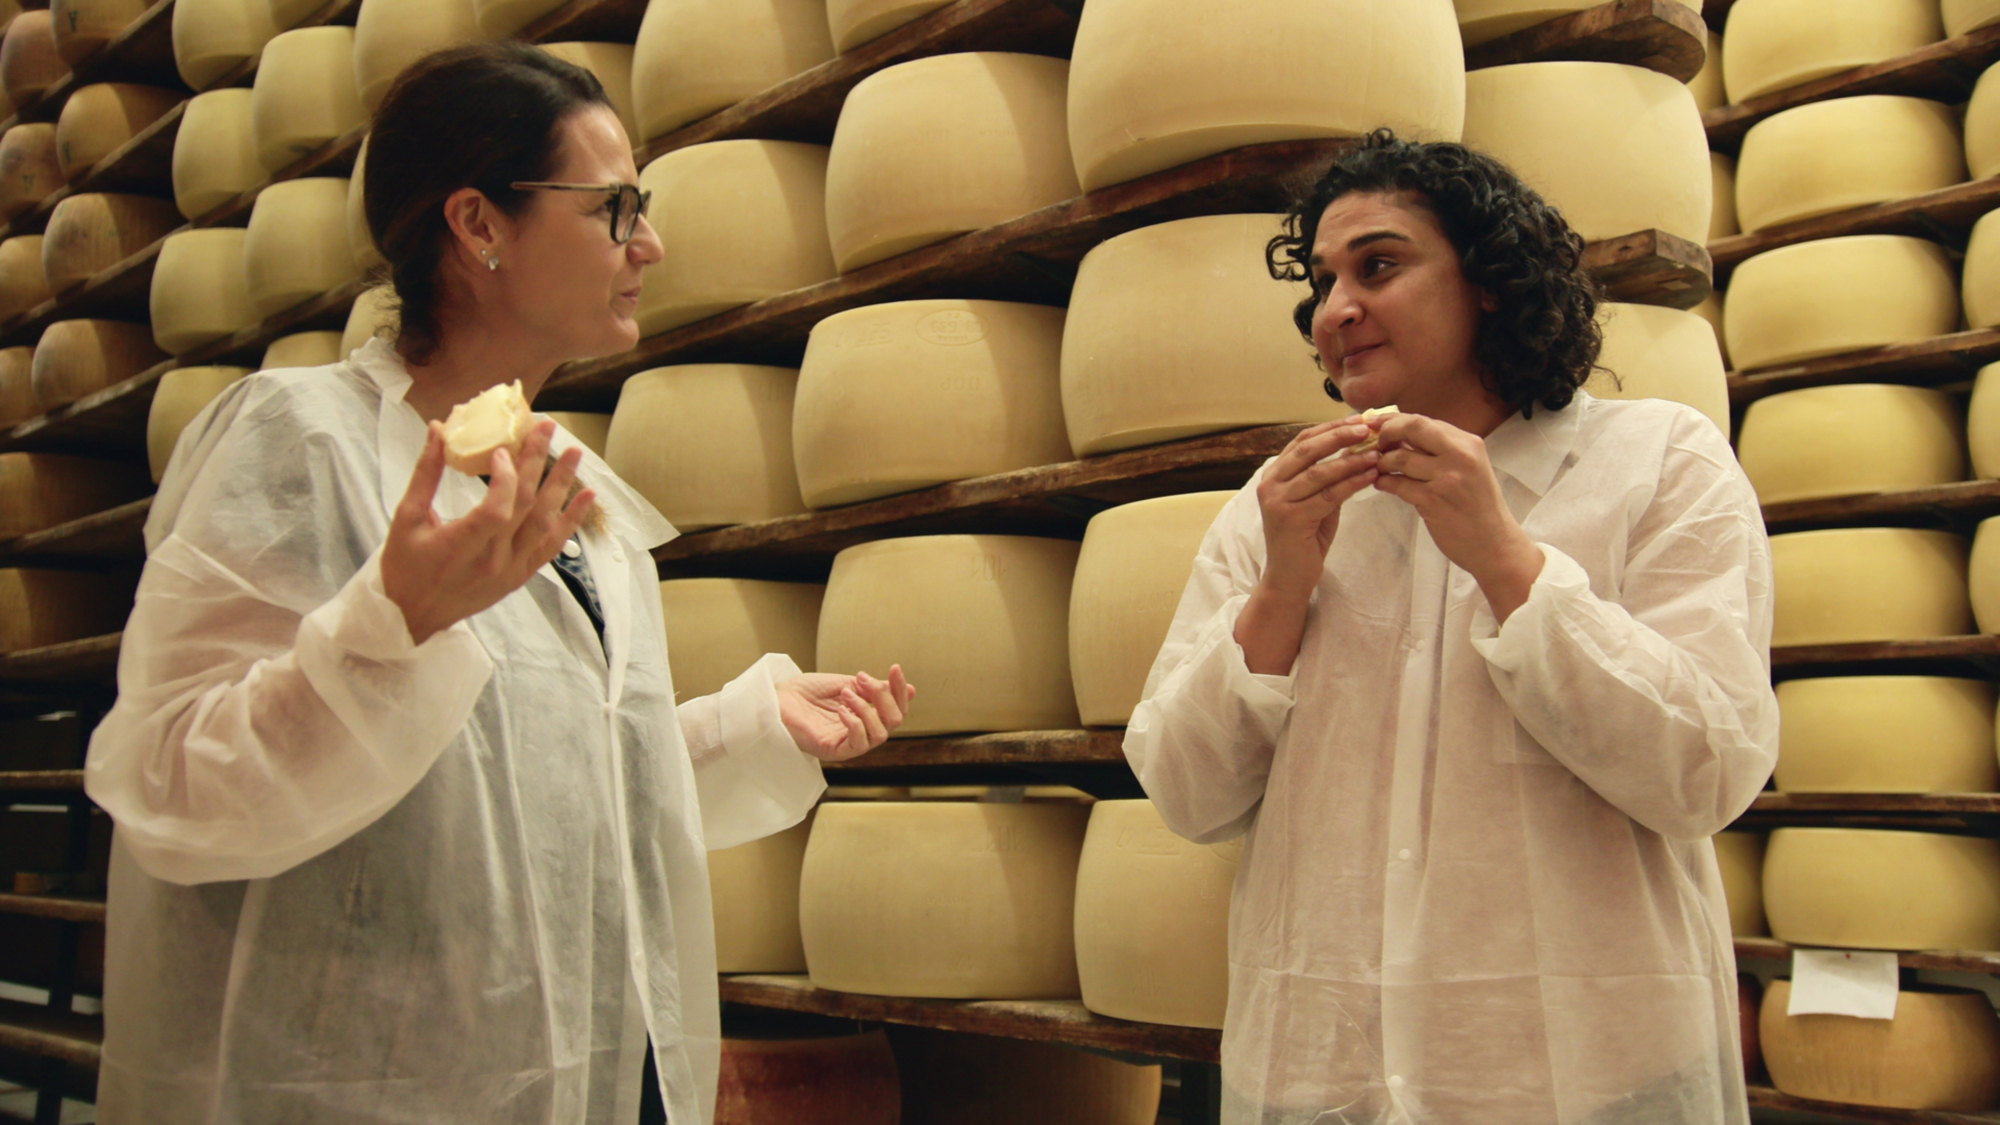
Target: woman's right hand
[[441, 573]]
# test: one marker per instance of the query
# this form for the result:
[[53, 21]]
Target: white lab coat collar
[[1532, 450]]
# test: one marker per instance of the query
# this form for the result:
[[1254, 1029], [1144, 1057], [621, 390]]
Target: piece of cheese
[[1156, 83], [92, 232], [199, 292], [611, 63], [1962, 17], [305, 94], [739, 221], [29, 61], [1850, 585], [755, 890], [1648, 166], [23, 285], [303, 349], [182, 394], [1981, 275], [1886, 734], [1982, 423], [1982, 126], [947, 899], [82, 26], [1851, 439], [40, 490], [708, 444], [910, 394], [980, 623], [1941, 1052], [1722, 221], [1771, 45], [214, 37], [30, 167], [392, 34], [1983, 576], [1710, 310], [1651, 351], [1152, 919], [1178, 329], [17, 386], [855, 22], [496, 418], [1480, 21], [1844, 153], [697, 56], [1837, 295], [39, 608], [1706, 85], [367, 256], [1740, 855], [297, 247], [215, 152], [718, 627], [99, 118], [930, 149], [1870, 888], [373, 315], [593, 430], [1130, 573], [951, 1079], [851, 1079], [81, 357]]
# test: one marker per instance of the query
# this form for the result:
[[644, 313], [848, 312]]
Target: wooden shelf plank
[[36, 1029], [1766, 1098], [116, 535], [91, 660], [1945, 216], [1663, 35], [65, 908], [1946, 506], [143, 52], [1651, 267], [1040, 747], [1926, 363], [1943, 960], [1976, 655], [16, 781], [1984, 804]]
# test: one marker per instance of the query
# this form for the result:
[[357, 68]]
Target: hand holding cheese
[[1442, 472], [835, 718], [495, 419]]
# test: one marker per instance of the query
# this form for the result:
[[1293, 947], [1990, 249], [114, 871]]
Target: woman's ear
[[476, 224], [1488, 302]]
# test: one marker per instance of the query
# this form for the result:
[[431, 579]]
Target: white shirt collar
[[1532, 450]]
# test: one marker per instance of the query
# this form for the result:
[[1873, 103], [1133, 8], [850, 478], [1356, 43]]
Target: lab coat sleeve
[[752, 778], [1661, 699], [1202, 737]]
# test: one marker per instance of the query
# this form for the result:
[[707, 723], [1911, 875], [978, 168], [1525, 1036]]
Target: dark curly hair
[[1543, 342]]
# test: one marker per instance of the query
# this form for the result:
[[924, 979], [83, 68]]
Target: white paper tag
[[1843, 982]]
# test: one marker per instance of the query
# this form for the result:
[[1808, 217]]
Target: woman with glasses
[[409, 827]]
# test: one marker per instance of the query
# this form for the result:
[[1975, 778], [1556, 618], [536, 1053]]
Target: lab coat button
[[1404, 854], [571, 549]]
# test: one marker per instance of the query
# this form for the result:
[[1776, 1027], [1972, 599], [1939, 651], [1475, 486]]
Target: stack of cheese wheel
[[99, 118], [1962, 17], [850, 1079], [92, 232], [303, 349], [1740, 855], [1483, 20], [1886, 734], [914, 393], [1771, 45], [29, 61], [1178, 329], [1981, 288], [373, 315], [215, 152], [1839, 295], [23, 285], [199, 292], [944, 145], [1850, 440], [1982, 126], [1651, 351], [755, 891], [1844, 153], [1706, 86], [1152, 919], [82, 26], [717, 627], [1648, 165], [214, 37], [17, 386], [1852, 585], [1938, 1053], [981, 622], [951, 1079], [40, 490], [1984, 576], [593, 430], [1870, 888], [697, 56], [1130, 573], [360, 238], [297, 248], [305, 94], [39, 608], [611, 64], [182, 394], [1156, 83], [81, 357], [739, 221], [708, 444], [948, 899], [389, 35], [29, 167], [855, 22], [1722, 219]]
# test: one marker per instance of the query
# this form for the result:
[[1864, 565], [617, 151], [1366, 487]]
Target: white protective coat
[[360, 880], [1478, 884]]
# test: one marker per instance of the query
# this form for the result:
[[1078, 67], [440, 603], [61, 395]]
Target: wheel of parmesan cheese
[[29, 62], [1850, 440], [1845, 153], [947, 899], [288, 14], [182, 394], [755, 889], [1938, 1053], [1867, 888], [1156, 83], [367, 256], [500, 19], [855, 22], [1982, 126], [303, 349], [708, 444], [1131, 571], [98, 119], [1480, 21], [92, 232], [1178, 329], [718, 627], [297, 245], [1981, 277], [215, 152], [199, 291], [39, 608], [933, 148], [1710, 310], [83, 26], [1962, 17], [611, 64], [29, 167], [305, 94], [1152, 919], [1839, 295], [1740, 855], [389, 35], [373, 314], [1706, 85], [214, 37], [1886, 734], [1982, 422], [910, 394], [952, 1079], [1648, 166], [40, 490], [1852, 585], [1651, 351], [17, 386], [698, 56], [739, 221], [23, 285], [1771, 45], [81, 357], [980, 622], [851, 1079], [1983, 576], [593, 430], [1722, 221]]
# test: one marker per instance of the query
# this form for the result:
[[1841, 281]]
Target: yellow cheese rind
[[39, 608], [500, 19], [79, 357], [30, 168], [1962, 17], [980, 623], [877, 878], [1177, 329], [392, 34], [1722, 220], [199, 291], [697, 56], [593, 430], [1480, 21], [40, 490], [951, 1079], [23, 285], [1886, 734], [82, 26], [1838, 295], [1983, 576], [1852, 585], [611, 64], [1982, 423], [373, 314], [1843, 153], [755, 891], [855, 22], [930, 149], [99, 118], [718, 627], [303, 349], [29, 61], [708, 444], [182, 393], [1851, 440], [909, 394], [1981, 276], [1867, 888], [1130, 574], [297, 246], [1740, 855], [17, 386], [1777, 44], [1982, 126], [1711, 310], [215, 152], [367, 256], [305, 94], [214, 37], [288, 14], [1651, 351], [1706, 85], [1941, 1051], [1648, 167], [90, 233]]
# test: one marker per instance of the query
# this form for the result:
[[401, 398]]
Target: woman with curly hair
[[1479, 680]]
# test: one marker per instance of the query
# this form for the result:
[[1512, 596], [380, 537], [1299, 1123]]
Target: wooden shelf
[[1977, 813], [1663, 35], [63, 908], [1943, 216], [143, 52], [1039, 747], [1971, 655], [1949, 507], [1928, 363], [1766, 1098], [24, 781], [92, 660], [1942, 960], [38, 1030], [115, 536]]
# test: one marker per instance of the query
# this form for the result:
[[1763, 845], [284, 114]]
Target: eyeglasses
[[627, 203]]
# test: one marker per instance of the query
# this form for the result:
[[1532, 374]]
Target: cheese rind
[[1962, 17], [182, 393], [305, 94], [755, 891], [1982, 126], [214, 37], [373, 314], [611, 65], [1982, 423], [1850, 440], [29, 61], [215, 152], [1651, 351], [90, 233], [391, 34], [199, 290], [1777, 44], [80, 357], [1981, 276], [951, 1079], [1481, 21], [1851, 585], [708, 444], [1937, 1053], [40, 490], [1740, 856], [1706, 85], [1722, 220], [1983, 576], [1886, 734], [30, 168], [39, 608], [500, 19], [909, 394], [99, 118], [302, 349], [855, 22], [851, 1080], [1834, 155], [23, 285], [697, 56], [593, 430], [288, 14], [1711, 310], [1838, 295], [297, 246], [17, 386], [1867, 888], [82, 26], [718, 627]]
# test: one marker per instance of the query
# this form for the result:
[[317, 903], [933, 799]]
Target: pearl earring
[[492, 260]]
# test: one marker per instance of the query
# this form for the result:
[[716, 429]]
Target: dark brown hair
[[482, 117]]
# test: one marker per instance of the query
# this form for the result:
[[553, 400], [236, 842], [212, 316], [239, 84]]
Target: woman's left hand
[[1442, 472], [835, 718]]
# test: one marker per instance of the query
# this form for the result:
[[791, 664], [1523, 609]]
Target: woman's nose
[[645, 247]]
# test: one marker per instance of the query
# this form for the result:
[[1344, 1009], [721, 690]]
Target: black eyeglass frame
[[628, 203]]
